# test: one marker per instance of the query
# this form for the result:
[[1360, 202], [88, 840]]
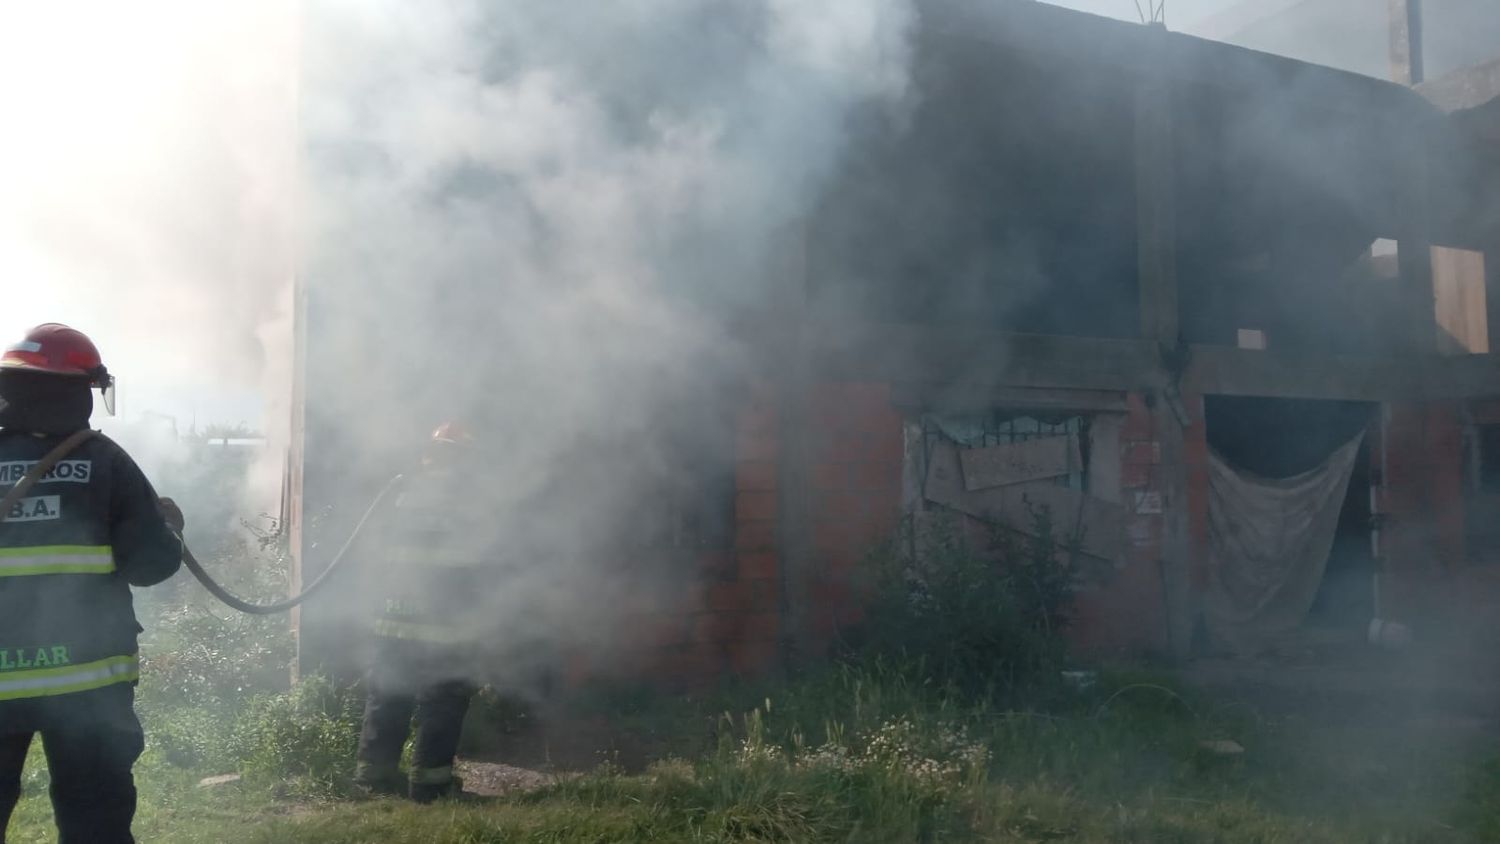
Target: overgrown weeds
[[903, 780], [216, 694], [982, 620], [301, 742]]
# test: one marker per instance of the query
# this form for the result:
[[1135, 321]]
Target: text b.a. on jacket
[[70, 550]]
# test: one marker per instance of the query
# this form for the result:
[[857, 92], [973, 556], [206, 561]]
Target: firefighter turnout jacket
[[70, 550], [436, 565]]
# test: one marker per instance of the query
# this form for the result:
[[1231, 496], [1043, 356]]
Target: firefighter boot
[[371, 781], [426, 789]]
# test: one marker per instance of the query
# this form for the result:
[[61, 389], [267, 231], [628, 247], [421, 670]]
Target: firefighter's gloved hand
[[171, 513]]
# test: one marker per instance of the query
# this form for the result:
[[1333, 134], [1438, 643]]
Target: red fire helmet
[[452, 433], [56, 349]]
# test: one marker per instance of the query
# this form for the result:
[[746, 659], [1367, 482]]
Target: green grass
[[872, 755]]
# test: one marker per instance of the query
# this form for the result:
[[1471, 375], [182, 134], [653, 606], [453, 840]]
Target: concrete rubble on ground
[[491, 779], [222, 779]]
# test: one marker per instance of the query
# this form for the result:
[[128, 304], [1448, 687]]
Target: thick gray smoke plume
[[538, 218]]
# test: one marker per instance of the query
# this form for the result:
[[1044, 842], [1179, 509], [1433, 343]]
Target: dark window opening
[[1487, 464]]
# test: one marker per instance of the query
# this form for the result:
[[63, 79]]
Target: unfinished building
[[1224, 313]]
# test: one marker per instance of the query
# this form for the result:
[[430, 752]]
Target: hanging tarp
[[1270, 539]]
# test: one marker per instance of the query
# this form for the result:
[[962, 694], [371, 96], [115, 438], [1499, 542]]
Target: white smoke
[[540, 218], [537, 217]]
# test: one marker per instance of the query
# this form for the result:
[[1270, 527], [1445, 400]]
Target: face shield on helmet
[[56, 349], [106, 385]]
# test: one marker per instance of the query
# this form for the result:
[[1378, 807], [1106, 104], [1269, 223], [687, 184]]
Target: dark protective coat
[[436, 568], [69, 552]]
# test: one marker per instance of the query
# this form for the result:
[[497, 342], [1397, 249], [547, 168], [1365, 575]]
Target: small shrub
[[301, 741], [203, 663], [978, 619], [196, 737]]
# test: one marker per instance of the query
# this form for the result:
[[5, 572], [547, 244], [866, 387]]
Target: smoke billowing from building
[[539, 219]]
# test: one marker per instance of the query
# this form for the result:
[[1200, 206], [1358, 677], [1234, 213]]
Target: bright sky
[[146, 169]]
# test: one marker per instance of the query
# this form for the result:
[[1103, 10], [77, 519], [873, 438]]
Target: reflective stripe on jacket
[[44, 682], [435, 564], [56, 559]]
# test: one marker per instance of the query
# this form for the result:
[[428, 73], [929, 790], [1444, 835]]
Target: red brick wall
[[856, 452], [728, 618], [1195, 454], [857, 459], [732, 620], [1423, 539], [1125, 613], [1430, 583]]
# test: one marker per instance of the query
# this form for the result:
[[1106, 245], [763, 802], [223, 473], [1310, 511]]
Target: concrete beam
[[1228, 371], [946, 354], [1221, 370], [966, 397], [941, 365]]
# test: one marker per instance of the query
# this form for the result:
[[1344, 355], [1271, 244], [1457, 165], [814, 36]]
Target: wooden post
[[1156, 244], [296, 451], [1406, 42]]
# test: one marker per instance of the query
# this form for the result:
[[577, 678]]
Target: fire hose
[[43, 466], [218, 591]]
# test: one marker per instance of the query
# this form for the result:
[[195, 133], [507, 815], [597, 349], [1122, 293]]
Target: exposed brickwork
[[1126, 614], [729, 622], [857, 454], [755, 476], [1423, 537], [757, 565]]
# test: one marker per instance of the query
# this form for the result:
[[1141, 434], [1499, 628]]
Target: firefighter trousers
[[439, 707], [91, 741]]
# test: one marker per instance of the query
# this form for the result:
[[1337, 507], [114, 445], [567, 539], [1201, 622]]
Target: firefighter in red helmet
[[70, 549], [433, 571]]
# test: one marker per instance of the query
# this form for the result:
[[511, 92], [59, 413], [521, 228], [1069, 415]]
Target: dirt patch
[[491, 779]]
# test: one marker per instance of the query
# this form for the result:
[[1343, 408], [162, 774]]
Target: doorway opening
[[1269, 443]]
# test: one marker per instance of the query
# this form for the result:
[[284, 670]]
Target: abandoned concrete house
[[1225, 313]]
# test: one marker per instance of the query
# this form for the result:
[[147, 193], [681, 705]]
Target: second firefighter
[[431, 575]]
